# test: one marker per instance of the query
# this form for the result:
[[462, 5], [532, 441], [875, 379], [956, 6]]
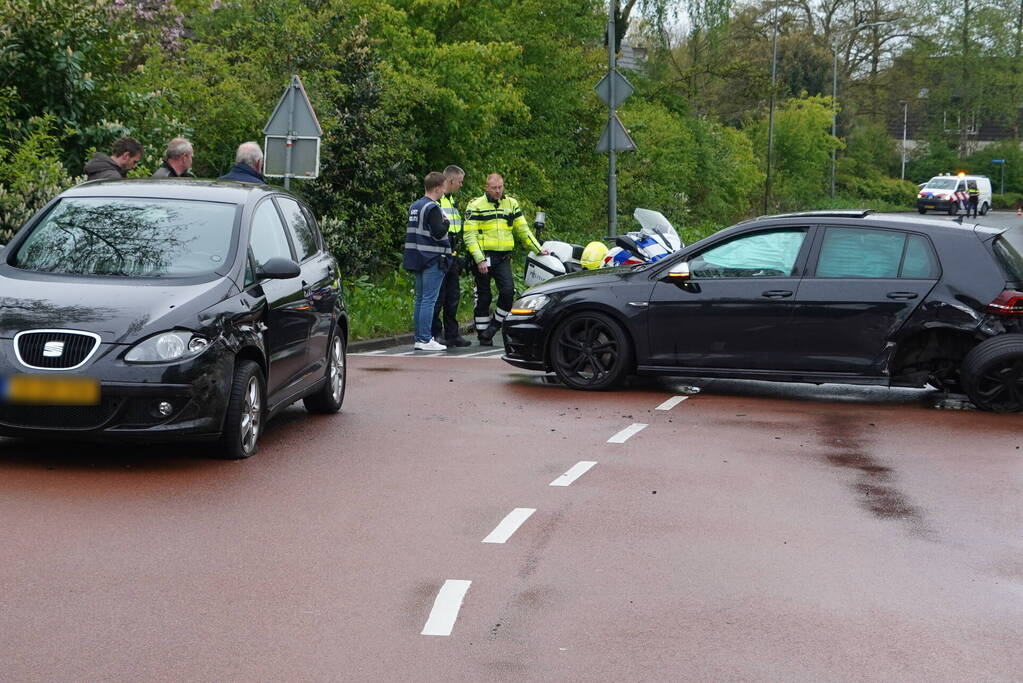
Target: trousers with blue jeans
[[428, 282]]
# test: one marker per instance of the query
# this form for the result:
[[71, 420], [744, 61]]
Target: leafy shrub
[[1009, 200], [31, 174], [876, 187]]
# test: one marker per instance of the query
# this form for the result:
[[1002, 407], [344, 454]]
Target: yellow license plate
[[52, 391]]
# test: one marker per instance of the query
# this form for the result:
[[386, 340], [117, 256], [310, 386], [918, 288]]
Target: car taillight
[[1009, 302]]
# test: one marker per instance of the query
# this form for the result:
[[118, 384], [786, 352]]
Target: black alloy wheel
[[246, 414], [590, 351], [331, 395], [992, 374]]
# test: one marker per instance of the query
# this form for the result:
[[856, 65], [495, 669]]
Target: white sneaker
[[431, 345]]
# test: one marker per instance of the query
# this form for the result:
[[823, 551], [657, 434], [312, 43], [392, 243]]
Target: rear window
[[1009, 250], [856, 253], [129, 237]]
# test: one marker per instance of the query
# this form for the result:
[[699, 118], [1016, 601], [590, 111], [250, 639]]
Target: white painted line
[[488, 352], [375, 353], [577, 470], [445, 608], [623, 436], [671, 402], [509, 525]]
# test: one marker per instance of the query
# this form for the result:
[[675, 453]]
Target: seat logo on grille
[[53, 349]]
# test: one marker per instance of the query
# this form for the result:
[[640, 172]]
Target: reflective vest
[[494, 226], [451, 213], [974, 192], [421, 249]]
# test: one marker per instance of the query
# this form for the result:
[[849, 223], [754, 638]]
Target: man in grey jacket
[[177, 160], [125, 153]]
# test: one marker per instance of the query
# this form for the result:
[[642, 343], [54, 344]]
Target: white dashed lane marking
[[445, 608], [625, 434], [577, 470], [671, 402], [509, 525]]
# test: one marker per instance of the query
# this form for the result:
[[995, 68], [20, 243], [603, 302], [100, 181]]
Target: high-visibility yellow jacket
[[494, 226], [451, 213]]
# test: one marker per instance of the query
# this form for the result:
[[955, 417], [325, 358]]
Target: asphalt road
[[748, 532]]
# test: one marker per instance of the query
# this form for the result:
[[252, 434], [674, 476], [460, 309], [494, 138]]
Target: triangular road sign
[[294, 103], [623, 142]]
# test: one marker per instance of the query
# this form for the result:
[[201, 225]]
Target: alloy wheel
[[337, 369], [587, 350], [1000, 387], [251, 415]]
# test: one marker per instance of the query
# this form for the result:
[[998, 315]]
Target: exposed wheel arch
[[931, 356]]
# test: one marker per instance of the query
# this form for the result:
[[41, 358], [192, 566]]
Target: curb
[[364, 345]]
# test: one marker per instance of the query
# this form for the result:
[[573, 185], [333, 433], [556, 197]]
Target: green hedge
[[1009, 200]]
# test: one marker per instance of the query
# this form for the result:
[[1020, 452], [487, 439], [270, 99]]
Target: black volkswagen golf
[[168, 309], [816, 297]]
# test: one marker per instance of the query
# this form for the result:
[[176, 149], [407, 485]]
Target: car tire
[[591, 352], [952, 209], [992, 374], [331, 395], [246, 413], [921, 210], [984, 209]]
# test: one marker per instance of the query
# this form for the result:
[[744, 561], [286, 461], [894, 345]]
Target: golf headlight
[[528, 305], [167, 346]]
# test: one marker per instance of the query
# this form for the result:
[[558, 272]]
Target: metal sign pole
[[290, 141], [612, 177]]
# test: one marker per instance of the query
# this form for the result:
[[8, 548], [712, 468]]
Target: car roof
[[901, 221], [174, 188]]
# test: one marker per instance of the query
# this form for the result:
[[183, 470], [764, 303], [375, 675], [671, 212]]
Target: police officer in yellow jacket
[[445, 314], [493, 223]]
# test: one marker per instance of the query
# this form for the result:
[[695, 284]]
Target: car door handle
[[777, 293], [902, 296]]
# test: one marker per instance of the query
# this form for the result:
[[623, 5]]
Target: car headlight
[[167, 346], [528, 305]]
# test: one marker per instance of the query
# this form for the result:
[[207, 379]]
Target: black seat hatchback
[[171, 309], [818, 297]]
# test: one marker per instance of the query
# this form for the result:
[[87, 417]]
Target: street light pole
[[834, 112], [834, 93], [770, 115], [905, 118]]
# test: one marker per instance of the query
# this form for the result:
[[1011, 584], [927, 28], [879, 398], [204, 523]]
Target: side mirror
[[679, 272], [278, 268]]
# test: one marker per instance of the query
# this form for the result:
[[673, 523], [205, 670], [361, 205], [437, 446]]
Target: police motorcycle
[[656, 239]]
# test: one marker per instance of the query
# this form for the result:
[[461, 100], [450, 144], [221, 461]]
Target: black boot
[[486, 336]]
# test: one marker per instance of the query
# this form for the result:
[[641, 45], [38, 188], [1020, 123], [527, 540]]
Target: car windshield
[[942, 184], [129, 237], [1009, 248]]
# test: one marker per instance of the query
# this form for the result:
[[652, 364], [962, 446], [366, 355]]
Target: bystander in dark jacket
[[125, 153], [177, 160], [248, 165]]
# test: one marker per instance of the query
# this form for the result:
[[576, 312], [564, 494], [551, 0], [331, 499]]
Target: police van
[[949, 192]]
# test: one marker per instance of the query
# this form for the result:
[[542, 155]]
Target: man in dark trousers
[[248, 165], [125, 153], [177, 160], [493, 224], [446, 330], [427, 255]]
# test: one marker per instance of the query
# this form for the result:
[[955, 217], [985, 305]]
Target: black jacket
[[244, 173], [165, 171], [101, 166]]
